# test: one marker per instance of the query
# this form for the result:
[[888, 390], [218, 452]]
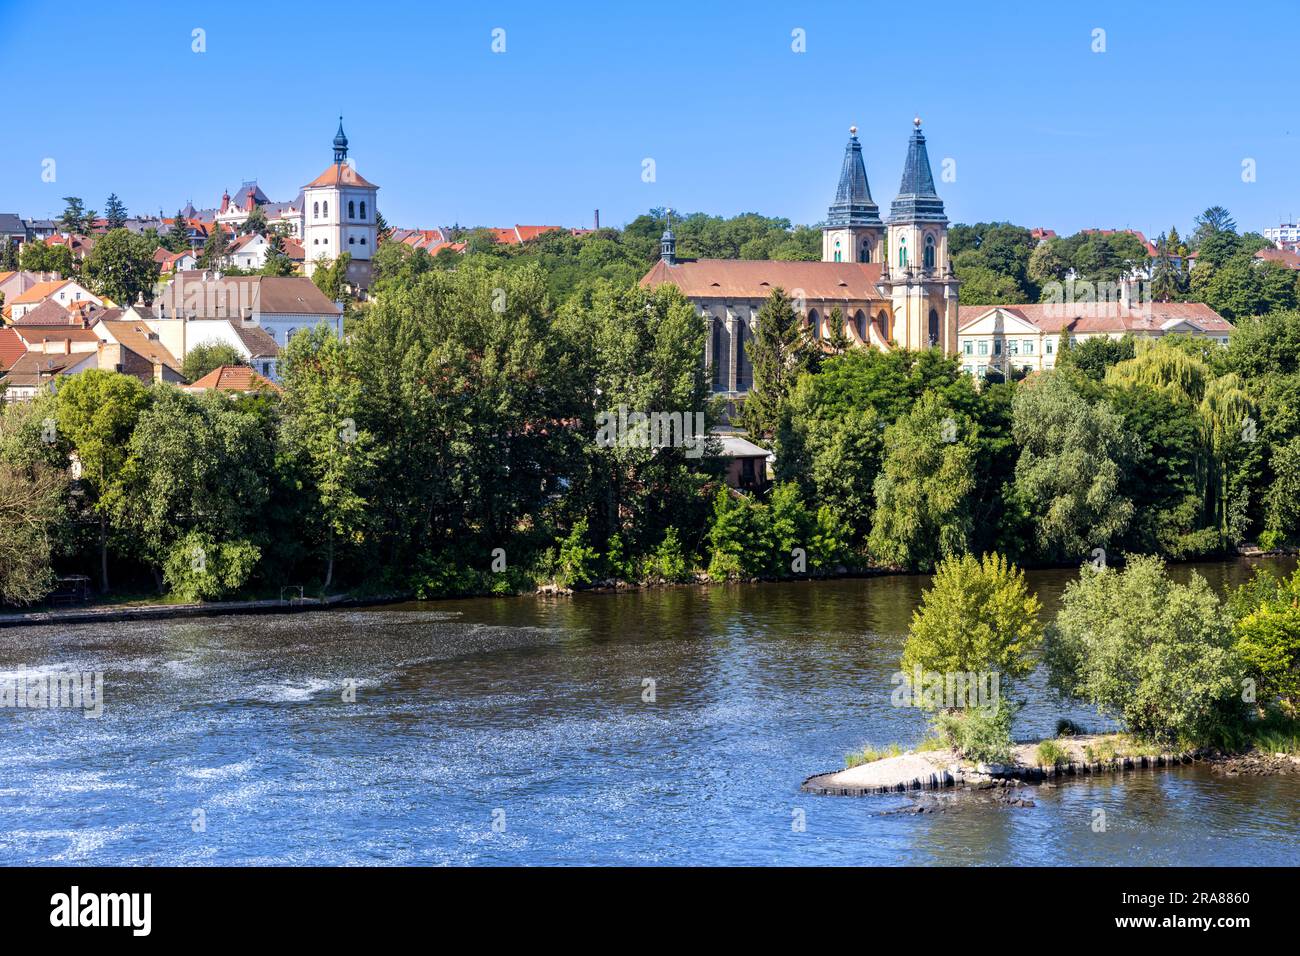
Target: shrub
[[738, 537], [1050, 753], [1268, 641], [870, 754], [1155, 654], [668, 563], [578, 560], [976, 734], [198, 568]]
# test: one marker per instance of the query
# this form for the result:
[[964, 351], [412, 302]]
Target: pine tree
[[781, 350], [74, 214], [214, 250], [114, 212], [178, 237]]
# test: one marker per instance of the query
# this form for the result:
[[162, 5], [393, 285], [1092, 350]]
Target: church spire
[[853, 205], [340, 144], [917, 200], [668, 242]]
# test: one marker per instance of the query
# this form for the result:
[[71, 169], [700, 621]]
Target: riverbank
[[1082, 755], [103, 613]]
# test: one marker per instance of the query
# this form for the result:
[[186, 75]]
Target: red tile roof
[[1105, 316], [1283, 256], [11, 348], [755, 278], [233, 378], [340, 174]]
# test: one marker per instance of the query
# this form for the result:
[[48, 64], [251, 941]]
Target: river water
[[518, 731]]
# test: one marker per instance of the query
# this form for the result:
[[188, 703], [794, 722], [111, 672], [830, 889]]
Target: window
[[315, 210], [1013, 347], [968, 369], [741, 379], [815, 321], [984, 348], [352, 209], [929, 252], [982, 371], [860, 322], [838, 257], [363, 209], [1027, 346], [352, 240], [717, 352], [326, 212], [934, 327], [902, 252], [865, 254], [968, 348], [363, 240], [1049, 346], [997, 346]]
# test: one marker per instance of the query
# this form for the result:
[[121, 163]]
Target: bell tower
[[853, 230], [917, 271]]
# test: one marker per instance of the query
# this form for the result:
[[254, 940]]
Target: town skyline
[[488, 138]]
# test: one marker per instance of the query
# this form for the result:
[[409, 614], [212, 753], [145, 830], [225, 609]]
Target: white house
[[1011, 338]]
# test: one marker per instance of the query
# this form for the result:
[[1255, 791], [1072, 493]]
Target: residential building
[[1025, 338], [63, 291], [1284, 236], [133, 348], [892, 280]]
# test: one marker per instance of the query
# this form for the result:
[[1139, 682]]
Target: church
[[891, 279]]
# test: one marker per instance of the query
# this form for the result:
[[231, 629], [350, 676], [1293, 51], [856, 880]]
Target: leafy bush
[[1269, 643], [976, 734], [578, 561], [738, 537], [1050, 753], [668, 563], [1155, 654], [197, 568]]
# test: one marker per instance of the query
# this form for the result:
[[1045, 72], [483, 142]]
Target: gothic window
[[882, 325], [838, 255], [327, 210], [352, 209], [363, 209], [929, 252], [815, 321], [902, 252], [934, 327], [860, 322], [741, 363], [717, 351], [315, 210], [865, 254]]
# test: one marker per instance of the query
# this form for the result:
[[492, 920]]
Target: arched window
[[815, 322], [363, 209], [288, 335], [327, 210], [929, 252], [838, 255], [902, 252], [860, 323], [717, 351], [882, 324], [865, 254], [934, 327], [352, 209], [315, 210], [741, 357]]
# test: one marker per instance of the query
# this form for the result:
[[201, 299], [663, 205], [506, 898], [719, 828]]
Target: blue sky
[[1043, 131]]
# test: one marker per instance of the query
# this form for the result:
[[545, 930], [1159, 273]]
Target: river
[[520, 731]]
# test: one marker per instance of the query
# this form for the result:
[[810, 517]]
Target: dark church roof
[[853, 205], [917, 200]]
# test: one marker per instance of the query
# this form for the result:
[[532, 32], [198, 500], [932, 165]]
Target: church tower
[[853, 230], [917, 272], [339, 216]]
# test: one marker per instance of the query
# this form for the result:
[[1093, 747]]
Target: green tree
[[1145, 650], [97, 411], [1069, 476], [277, 262], [1282, 497], [206, 356], [32, 504], [38, 257], [121, 267], [74, 218], [215, 248], [331, 277], [114, 212], [177, 238], [923, 492], [320, 433], [254, 223], [780, 351], [977, 616]]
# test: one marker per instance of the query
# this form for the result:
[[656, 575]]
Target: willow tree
[[1223, 407]]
